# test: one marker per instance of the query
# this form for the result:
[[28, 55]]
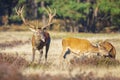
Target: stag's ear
[[31, 29]]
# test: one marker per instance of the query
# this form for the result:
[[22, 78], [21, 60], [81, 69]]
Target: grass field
[[18, 44]]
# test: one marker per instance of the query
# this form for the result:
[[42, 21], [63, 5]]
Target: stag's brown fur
[[38, 44], [40, 37]]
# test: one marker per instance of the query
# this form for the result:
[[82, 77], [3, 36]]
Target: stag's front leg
[[33, 57], [41, 54]]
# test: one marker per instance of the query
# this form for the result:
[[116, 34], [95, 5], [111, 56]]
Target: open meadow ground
[[16, 54]]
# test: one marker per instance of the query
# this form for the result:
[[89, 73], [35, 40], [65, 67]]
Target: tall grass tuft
[[95, 61], [13, 60]]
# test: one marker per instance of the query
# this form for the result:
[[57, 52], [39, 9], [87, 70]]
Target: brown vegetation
[[94, 61], [11, 44], [14, 28], [8, 72], [13, 60]]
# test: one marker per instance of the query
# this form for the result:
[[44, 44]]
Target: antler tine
[[54, 12], [50, 11], [19, 12], [50, 18], [47, 11], [50, 15], [21, 9], [16, 11]]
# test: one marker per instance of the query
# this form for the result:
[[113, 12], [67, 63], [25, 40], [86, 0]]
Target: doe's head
[[102, 50]]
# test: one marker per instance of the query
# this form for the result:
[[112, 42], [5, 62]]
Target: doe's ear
[[97, 45], [31, 29]]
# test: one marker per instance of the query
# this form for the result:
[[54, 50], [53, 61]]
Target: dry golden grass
[[53, 67]]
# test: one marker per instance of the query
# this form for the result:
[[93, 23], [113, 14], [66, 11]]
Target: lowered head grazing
[[81, 47], [110, 48]]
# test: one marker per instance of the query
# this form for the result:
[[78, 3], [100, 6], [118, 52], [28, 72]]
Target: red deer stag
[[110, 48], [81, 47], [40, 37]]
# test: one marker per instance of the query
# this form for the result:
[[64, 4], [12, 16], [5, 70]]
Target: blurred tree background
[[72, 15]]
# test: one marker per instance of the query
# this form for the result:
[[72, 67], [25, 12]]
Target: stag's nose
[[43, 40]]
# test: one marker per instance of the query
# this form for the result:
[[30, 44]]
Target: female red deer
[[40, 37], [81, 47], [110, 48]]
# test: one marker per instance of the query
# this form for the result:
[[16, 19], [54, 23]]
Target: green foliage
[[40, 10], [66, 9], [15, 18], [71, 9], [105, 5], [21, 1], [113, 6]]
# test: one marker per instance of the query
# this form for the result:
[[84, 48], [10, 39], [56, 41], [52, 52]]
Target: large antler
[[19, 12], [50, 15]]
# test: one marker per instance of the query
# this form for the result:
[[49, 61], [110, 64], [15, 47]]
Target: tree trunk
[[31, 9], [35, 9], [43, 15], [5, 20], [78, 1]]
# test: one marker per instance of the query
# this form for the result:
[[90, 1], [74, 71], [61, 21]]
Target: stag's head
[[38, 31]]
